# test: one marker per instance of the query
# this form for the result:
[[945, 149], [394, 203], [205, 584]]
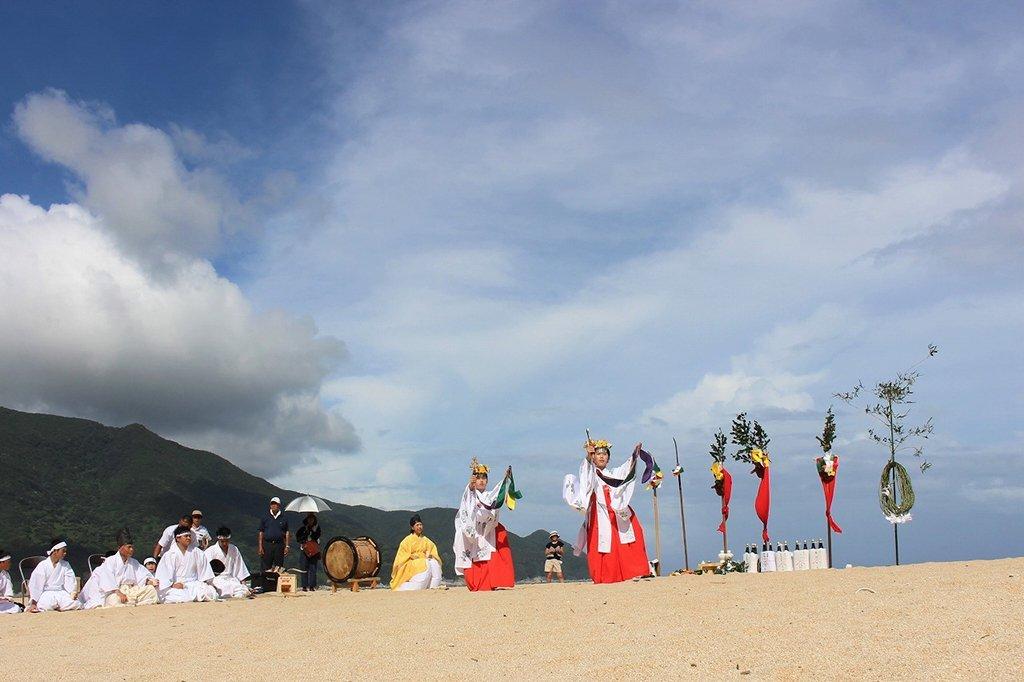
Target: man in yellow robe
[[417, 563]]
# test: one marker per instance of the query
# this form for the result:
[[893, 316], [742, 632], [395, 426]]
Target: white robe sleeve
[[69, 577], [104, 578], [165, 570], [203, 571], [240, 570], [37, 581]]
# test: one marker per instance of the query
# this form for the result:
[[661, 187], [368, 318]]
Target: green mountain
[[82, 480]]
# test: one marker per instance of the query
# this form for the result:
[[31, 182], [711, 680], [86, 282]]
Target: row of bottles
[[782, 559]]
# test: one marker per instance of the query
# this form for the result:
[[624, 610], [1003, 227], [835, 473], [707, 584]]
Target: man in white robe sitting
[[7, 603], [52, 586], [233, 571], [183, 573], [120, 580]]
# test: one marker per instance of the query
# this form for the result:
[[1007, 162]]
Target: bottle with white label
[[767, 558], [801, 557], [823, 558], [780, 557]]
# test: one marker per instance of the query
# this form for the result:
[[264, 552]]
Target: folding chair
[[25, 568], [94, 562]]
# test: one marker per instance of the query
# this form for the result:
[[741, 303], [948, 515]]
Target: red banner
[[763, 501], [726, 493], [828, 485]]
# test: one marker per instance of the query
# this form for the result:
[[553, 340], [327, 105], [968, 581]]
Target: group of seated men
[[184, 573]]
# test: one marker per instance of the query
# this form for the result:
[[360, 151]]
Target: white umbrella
[[307, 503]]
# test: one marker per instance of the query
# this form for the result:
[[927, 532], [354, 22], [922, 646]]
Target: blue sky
[[350, 246]]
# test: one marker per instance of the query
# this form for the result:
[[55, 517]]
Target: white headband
[[5, 558], [223, 537], [148, 559], [183, 533], [59, 545]]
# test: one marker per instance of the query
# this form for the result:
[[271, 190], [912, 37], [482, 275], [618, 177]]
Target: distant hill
[[83, 480]]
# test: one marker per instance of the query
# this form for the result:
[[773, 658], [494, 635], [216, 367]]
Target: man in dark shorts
[[553, 557]]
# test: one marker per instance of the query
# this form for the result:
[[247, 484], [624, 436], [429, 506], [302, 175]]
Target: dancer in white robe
[[184, 574], [7, 603], [52, 586], [229, 581], [120, 580]]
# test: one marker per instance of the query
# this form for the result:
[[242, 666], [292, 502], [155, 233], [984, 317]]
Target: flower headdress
[[477, 469], [597, 444]]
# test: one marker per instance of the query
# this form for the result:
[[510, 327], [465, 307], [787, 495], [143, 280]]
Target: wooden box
[[286, 583]]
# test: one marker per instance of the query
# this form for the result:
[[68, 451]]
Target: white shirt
[[200, 536]]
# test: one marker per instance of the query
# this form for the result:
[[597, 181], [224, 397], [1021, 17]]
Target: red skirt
[[497, 571], [625, 561]]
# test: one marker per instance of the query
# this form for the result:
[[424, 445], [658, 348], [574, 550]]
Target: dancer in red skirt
[[482, 554], [611, 534]]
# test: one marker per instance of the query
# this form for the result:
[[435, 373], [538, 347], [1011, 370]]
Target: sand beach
[[938, 620]]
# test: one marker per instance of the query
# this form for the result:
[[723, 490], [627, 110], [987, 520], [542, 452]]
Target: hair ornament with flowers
[[476, 468]]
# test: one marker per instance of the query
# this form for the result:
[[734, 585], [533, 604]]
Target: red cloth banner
[[726, 494], [763, 501], [828, 485]]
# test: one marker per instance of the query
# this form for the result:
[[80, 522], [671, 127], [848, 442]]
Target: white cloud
[[132, 177], [85, 330]]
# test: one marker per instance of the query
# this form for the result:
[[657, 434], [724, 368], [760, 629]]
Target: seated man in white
[[120, 580], [183, 573], [150, 564], [52, 586], [7, 603], [229, 580]]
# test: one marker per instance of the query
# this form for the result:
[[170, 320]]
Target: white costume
[[51, 586], [229, 583], [577, 494], [7, 604], [191, 569], [475, 527], [117, 574]]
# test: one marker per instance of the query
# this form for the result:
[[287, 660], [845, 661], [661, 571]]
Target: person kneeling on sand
[[233, 572], [7, 603], [184, 573], [120, 580], [417, 563], [52, 586]]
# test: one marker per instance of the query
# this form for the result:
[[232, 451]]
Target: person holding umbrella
[[308, 537]]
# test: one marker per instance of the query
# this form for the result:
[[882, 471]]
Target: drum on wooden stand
[[355, 559]]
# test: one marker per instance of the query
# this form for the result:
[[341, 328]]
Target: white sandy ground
[[926, 621]]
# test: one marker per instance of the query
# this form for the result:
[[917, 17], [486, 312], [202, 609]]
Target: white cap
[[275, 499], [149, 559]]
